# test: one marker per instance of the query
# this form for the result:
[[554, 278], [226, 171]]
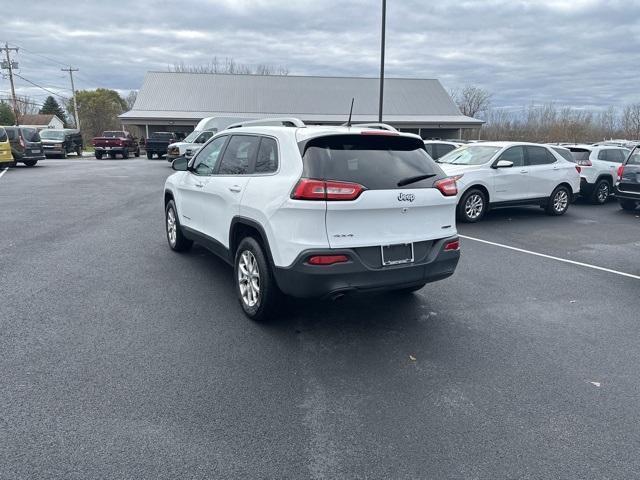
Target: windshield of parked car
[[30, 134], [192, 136], [470, 155], [52, 134]]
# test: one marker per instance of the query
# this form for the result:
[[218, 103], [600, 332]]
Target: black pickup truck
[[158, 143]]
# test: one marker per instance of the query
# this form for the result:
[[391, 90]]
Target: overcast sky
[[583, 53]]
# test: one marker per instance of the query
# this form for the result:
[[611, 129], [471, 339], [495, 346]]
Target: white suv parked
[[598, 169], [315, 211], [502, 174]]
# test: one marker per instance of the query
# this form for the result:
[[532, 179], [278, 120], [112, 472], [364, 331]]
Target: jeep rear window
[[3, 135], [378, 162]]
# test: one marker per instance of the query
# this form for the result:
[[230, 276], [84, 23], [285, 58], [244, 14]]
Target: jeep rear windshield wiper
[[407, 181]]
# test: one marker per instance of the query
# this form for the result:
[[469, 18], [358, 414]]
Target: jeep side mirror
[[503, 164], [180, 164]]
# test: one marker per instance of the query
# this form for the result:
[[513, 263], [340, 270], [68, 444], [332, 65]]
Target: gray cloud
[[574, 52]]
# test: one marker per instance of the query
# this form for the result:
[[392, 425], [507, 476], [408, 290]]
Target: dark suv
[[26, 146], [627, 188]]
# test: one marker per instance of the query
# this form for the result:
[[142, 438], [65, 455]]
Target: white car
[[599, 166], [502, 174], [439, 148], [315, 211], [191, 144], [206, 128]]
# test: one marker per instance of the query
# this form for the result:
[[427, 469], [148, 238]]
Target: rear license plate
[[397, 254]]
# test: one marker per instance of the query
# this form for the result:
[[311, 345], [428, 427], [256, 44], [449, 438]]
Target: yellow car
[[6, 159]]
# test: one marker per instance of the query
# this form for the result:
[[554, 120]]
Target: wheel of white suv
[[559, 200], [472, 206], [177, 241], [601, 192], [257, 290]]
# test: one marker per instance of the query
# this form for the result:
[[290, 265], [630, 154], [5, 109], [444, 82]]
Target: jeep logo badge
[[406, 197]]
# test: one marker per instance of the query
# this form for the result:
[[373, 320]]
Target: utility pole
[[73, 90], [384, 21], [10, 66]]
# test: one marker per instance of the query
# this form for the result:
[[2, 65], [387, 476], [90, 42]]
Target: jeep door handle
[[236, 188], [199, 185], [524, 171]]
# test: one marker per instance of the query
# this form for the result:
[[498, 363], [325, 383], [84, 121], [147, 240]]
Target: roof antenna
[[350, 112]]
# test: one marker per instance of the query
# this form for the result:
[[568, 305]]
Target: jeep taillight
[[447, 186], [327, 259], [584, 163], [331, 190], [620, 172]]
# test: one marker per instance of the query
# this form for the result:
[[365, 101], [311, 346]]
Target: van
[[206, 128]]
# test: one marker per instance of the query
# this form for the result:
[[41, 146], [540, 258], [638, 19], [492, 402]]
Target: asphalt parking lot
[[122, 359]]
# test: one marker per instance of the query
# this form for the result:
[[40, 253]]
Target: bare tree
[[631, 121], [130, 99], [471, 100], [26, 105], [229, 65]]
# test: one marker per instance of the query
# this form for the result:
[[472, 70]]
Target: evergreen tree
[[52, 107], [6, 114]]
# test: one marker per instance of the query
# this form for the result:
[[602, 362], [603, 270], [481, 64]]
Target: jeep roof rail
[[379, 126], [270, 122]]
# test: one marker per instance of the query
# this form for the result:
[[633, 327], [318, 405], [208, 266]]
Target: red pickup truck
[[114, 143]]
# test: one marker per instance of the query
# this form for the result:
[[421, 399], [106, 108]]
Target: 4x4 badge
[[406, 197]]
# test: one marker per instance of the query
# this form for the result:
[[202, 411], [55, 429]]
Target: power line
[[40, 55], [41, 87]]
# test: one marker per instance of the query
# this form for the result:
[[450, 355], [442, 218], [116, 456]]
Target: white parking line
[[551, 257], [2, 172]]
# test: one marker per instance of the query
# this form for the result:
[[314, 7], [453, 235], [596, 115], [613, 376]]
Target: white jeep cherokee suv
[[315, 211], [598, 169], [502, 174]]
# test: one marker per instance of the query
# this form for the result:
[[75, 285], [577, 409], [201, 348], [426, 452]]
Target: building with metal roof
[[173, 101]]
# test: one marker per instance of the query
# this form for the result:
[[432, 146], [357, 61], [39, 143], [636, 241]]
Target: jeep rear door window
[[267, 159], [3, 135], [378, 162], [239, 153]]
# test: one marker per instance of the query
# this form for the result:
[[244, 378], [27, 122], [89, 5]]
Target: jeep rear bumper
[[359, 275]]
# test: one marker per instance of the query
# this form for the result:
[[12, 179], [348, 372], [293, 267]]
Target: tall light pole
[[384, 21]]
